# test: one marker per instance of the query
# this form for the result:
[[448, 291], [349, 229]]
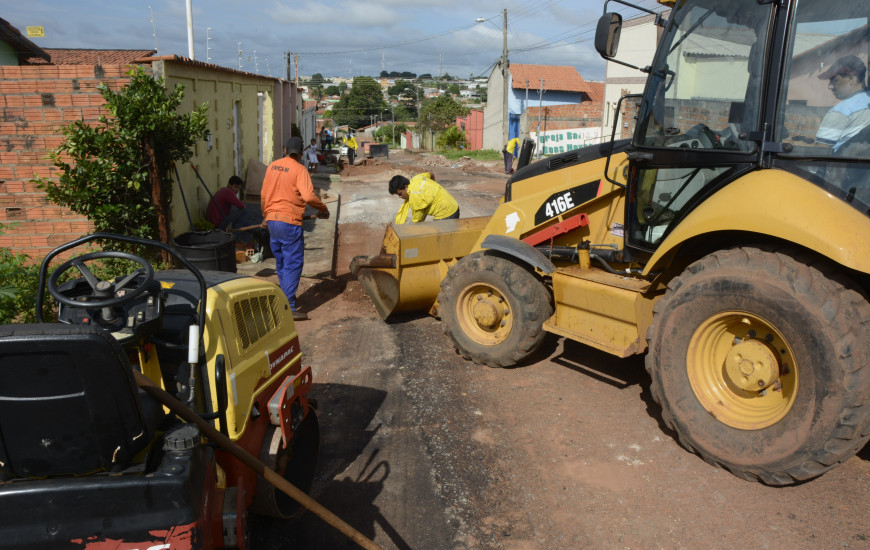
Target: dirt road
[[424, 450]]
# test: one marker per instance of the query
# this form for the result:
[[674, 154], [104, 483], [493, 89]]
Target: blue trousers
[[288, 247]]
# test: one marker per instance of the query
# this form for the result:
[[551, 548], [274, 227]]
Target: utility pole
[[540, 148], [505, 123], [190, 53]]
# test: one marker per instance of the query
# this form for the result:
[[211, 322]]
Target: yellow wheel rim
[[484, 314], [742, 370]]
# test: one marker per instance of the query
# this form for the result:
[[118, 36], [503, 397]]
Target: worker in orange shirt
[[286, 190]]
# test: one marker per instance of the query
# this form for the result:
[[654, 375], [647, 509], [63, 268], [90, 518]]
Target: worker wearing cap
[[423, 197], [286, 190], [846, 80]]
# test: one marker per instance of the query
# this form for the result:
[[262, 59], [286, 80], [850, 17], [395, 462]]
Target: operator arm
[[402, 214], [306, 191]]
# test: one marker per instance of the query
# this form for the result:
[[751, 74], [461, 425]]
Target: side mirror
[[607, 34]]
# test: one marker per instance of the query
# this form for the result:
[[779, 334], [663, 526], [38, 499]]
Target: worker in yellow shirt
[[351, 148], [423, 197], [511, 150]]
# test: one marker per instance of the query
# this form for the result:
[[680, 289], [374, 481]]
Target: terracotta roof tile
[[595, 91], [561, 78], [92, 57]]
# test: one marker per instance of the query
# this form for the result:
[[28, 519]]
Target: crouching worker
[[226, 209], [423, 197]]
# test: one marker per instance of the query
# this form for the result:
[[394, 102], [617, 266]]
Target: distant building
[[531, 85]]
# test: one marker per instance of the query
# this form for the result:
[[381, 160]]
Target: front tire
[[494, 309], [759, 361]]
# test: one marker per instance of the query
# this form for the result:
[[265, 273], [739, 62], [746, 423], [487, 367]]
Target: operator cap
[[846, 65], [294, 145]]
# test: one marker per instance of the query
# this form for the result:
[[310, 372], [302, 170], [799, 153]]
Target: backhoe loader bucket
[[406, 275]]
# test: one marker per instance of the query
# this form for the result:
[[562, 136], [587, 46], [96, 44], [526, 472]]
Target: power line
[[397, 45]]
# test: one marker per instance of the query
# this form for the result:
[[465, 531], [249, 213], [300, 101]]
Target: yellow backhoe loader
[[727, 238]]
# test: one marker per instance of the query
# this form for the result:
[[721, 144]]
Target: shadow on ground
[[345, 413]]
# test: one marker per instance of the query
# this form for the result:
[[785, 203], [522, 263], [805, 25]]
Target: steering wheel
[[103, 291]]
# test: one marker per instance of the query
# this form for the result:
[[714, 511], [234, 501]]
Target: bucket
[[214, 250]]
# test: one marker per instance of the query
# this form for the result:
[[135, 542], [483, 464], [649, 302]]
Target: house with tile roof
[[531, 86], [250, 117]]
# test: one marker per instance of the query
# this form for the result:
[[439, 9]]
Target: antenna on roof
[[153, 29], [207, 47]]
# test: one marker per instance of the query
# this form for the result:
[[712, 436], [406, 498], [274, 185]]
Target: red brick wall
[[564, 117], [35, 102]]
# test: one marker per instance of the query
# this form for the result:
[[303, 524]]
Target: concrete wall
[[8, 55], [637, 45], [242, 121], [493, 114], [472, 125]]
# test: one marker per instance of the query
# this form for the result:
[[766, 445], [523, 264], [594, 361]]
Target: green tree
[[385, 133], [317, 92], [440, 113], [453, 90], [357, 106], [18, 283], [117, 172], [401, 87], [316, 80], [452, 138], [332, 90], [404, 113]]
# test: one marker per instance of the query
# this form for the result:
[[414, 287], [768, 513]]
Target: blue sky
[[335, 38]]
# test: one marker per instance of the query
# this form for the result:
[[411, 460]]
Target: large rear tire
[[760, 362], [493, 309]]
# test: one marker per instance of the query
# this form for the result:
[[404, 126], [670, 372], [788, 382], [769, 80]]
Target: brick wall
[[35, 102], [564, 117]]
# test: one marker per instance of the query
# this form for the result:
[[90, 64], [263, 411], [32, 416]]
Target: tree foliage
[[452, 138], [440, 113], [403, 88], [18, 283], [364, 100], [385, 133], [396, 74], [404, 112], [112, 170]]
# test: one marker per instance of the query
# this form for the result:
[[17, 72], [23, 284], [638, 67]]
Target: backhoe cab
[[727, 239], [89, 460]]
